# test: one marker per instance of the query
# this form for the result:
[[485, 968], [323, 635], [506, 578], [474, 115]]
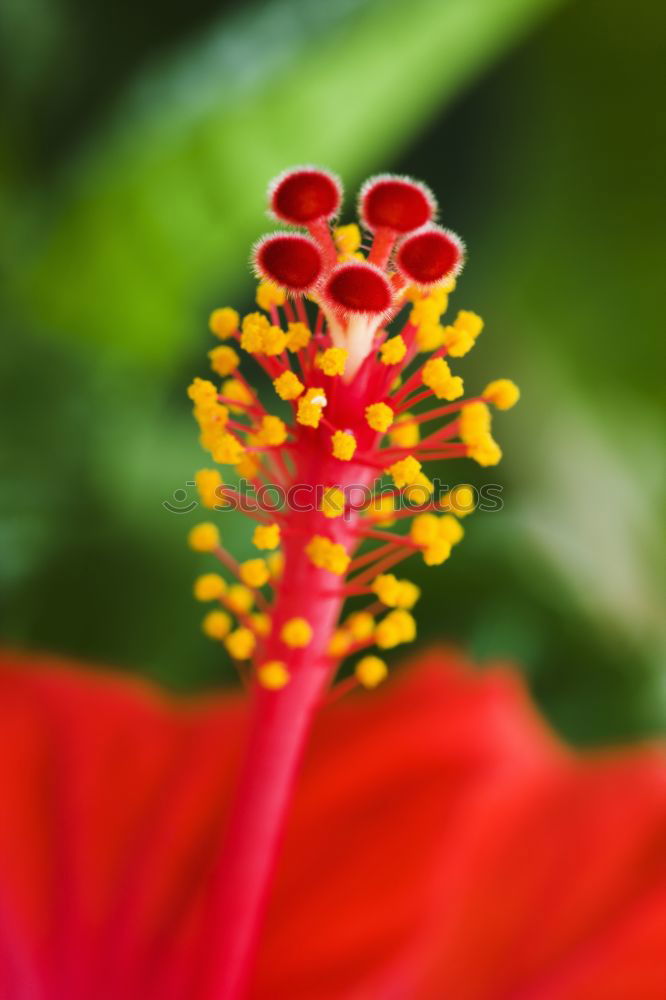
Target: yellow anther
[[272, 431], [420, 490], [381, 505], [332, 361], [474, 423], [296, 633], [370, 671], [216, 624], [202, 392], [379, 416], [333, 502], [254, 572], [310, 407], [344, 445], [254, 328], [339, 644], [404, 433], [485, 450], [261, 624], [209, 586], [234, 390], [275, 563], [461, 336], [288, 386], [437, 552], [398, 626], [239, 599], [208, 481], [298, 336], [460, 500], [426, 311], [503, 393], [436, 375], [405, 472], [248, 467], [408, 595], [469, 321], [387, 588], [227, 449], [273, 341], [347, 239], [269, 295], [273, 675], [393, 350], [450, 529], [326, 554], [430, 336], [224, 360], [360, 625], [266, 536], [241, 643], [224, 322], [204, 537], [424, 529]]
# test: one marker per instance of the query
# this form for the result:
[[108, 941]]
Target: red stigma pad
[[396, 204], [358, 288], [429, 256], [304, 195], [289, 260]]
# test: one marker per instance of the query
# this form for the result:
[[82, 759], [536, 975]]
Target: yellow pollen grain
[[216, 624], [460, 500], [436, 375], [208, 482], [254, 572], [405, 472], [360, 625], [339, 644], [209, 587], [344, 445], [370, 671], [332, 361], [296, 633], [333, 502], [387, 588], [393, 351], [272, 431], [241, 643], [379, 416], [288, 386], [223, 360], [227, 449], [273, 675], [261, 624], [405, 432], [502, 392], [310, 408], [266, 536], [347, 239], [239, 599], [204, 537], [328, 555], [269, 295], [298, 336], [223, 322]]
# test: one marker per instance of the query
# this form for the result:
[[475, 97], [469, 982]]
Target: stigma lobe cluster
[[342, 330]]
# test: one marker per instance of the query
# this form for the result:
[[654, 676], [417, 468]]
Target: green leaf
[[150, 227]]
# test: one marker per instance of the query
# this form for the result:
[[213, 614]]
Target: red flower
[[441, 844]]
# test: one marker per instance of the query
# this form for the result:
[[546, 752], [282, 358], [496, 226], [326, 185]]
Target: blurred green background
[[136, 145]]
